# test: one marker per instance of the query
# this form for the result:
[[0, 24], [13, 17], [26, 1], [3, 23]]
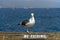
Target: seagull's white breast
[[31, 22]]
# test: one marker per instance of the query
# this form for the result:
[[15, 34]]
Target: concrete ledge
[[31, 36]]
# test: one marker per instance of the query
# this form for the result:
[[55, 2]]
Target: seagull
[[28, 23]]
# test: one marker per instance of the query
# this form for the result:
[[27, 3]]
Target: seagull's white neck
[[32, 14], [32, 18]]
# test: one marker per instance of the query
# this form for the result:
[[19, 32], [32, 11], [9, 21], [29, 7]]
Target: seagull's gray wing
[[24, 22]]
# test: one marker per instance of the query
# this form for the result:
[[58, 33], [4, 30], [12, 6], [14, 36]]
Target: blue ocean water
[[47, 19]]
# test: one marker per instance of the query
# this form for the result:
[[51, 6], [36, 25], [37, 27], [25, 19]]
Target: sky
[[30, 3]]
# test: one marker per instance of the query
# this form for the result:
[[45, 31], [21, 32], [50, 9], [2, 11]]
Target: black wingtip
[[18, 24]]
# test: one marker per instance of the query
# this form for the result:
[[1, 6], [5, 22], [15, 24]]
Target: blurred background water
[[47, 19]]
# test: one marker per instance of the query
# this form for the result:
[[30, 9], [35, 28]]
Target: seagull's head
[[32, 14]]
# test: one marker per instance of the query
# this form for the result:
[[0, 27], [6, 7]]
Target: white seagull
[[28, 23]]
